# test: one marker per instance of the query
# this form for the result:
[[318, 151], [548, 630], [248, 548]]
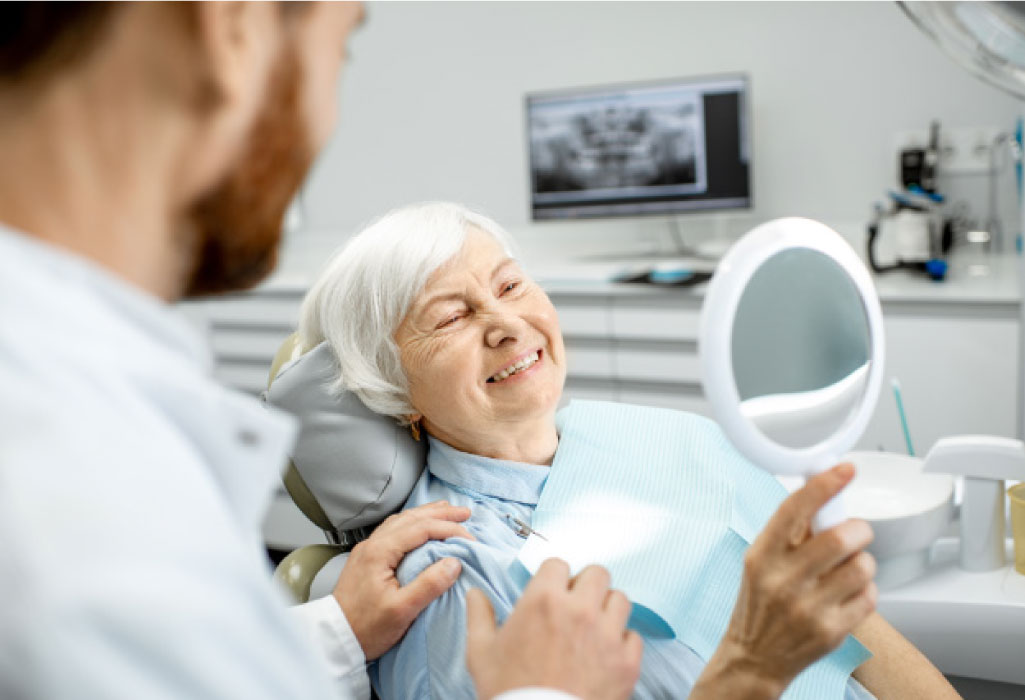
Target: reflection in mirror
[[800, 348]]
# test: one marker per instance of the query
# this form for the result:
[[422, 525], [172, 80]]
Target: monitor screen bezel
[[581, 91]]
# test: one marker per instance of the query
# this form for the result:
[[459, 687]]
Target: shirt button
[[248, 437]]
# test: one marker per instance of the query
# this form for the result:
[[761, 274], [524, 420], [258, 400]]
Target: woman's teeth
[[518, 367]]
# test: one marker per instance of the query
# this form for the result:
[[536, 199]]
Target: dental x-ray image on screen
[[639, 149]]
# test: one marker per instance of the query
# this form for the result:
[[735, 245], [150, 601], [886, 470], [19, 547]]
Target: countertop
[[978, 280], [948, 611]]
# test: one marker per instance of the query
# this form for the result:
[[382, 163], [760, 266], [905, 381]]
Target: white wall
[[431, 105]]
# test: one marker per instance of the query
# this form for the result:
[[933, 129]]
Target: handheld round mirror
[[791, 346]]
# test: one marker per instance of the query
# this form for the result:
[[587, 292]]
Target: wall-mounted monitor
[[629, 150]]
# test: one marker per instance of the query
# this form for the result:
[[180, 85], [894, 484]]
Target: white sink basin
[[908, 511]]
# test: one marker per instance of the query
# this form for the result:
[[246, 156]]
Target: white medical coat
[[132, 488]]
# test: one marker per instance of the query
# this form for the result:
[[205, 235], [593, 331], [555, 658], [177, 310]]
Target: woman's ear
[[414, 425]]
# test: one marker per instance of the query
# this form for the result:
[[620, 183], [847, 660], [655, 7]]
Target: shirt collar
[[498, 478]]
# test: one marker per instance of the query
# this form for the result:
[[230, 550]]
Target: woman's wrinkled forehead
[[479, 260]]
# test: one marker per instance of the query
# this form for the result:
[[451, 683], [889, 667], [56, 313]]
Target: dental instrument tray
[[665, 277]]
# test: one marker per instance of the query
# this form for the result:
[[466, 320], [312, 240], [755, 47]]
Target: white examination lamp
[[987, 38]]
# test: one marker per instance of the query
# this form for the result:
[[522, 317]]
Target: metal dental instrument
[[525, 530]]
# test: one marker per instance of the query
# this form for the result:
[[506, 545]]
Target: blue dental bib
[[664, 502]]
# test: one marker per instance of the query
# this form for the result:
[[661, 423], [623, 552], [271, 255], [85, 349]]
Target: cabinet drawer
[[584, 321], [594, 360], [255, 345], [259, 311], [656, 319], [669, 363], [250, 378]]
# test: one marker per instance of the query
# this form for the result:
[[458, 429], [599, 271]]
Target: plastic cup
[[1017, 497]]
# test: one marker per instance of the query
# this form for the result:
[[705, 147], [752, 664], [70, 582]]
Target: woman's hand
[[800, 597], [563, 635], [377, 608]]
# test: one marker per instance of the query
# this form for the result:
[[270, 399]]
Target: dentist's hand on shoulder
[[801, 595], [563, 634], [378, 609]]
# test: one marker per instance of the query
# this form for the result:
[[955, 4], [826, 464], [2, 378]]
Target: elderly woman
[[435, 323]]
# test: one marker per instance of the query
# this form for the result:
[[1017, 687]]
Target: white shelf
[[949, 611]]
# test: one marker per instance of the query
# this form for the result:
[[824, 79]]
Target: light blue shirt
[[430, 660]]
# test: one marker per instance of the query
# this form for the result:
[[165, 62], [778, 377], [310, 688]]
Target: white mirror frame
[[716, 336]]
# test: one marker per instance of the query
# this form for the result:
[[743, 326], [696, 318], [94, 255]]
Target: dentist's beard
[[235, 229]]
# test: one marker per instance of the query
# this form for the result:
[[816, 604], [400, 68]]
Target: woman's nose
[[503, 328]]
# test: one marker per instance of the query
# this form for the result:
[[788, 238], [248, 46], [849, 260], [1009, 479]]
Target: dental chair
[[350, 467]]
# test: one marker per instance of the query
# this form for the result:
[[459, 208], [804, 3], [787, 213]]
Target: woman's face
[[482, 349]]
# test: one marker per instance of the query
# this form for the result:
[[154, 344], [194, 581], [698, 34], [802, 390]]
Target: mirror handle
[[830, 515]]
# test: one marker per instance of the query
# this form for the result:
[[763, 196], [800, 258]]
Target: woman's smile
[[518, 370]]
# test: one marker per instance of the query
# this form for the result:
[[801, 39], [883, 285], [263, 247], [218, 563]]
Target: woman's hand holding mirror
[[801, 594]]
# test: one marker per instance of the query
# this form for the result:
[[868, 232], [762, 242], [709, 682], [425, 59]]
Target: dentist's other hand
[[377, 608], [801, 594], [564, 635]]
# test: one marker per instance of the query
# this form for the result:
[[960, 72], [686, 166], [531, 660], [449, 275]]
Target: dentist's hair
[[367, 288]]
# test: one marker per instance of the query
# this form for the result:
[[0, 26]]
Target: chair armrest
[[298, 569]]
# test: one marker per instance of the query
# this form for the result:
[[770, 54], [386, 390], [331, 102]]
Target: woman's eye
[[509, 286], [449, 321]]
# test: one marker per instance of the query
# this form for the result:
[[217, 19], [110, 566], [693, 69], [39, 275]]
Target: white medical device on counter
[[791, 344], [986, 463]]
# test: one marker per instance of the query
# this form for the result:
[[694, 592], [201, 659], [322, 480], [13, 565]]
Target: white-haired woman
[[435, 324]]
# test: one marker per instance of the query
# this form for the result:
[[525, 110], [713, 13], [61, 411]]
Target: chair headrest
[[360, 466]]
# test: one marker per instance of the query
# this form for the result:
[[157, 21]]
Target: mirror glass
[[800, 348]]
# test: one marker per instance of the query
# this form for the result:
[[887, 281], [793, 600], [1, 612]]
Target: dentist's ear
[[237, 43], [219, 75]]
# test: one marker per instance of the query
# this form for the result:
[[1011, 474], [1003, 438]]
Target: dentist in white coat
[[149, 153]]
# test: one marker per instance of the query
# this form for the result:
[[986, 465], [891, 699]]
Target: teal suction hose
[[903, 416]]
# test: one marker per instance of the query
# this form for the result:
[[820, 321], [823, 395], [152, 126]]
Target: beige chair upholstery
[[297, 571]]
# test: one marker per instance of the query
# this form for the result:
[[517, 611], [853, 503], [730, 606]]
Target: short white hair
[[367, 288]]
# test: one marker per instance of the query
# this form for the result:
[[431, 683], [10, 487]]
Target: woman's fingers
[[854, 610], [847, 580], [830, 548], [788, 525], [801, 594]]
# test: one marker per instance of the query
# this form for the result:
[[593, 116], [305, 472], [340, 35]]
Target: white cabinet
[[958, 371], [632, 345]]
